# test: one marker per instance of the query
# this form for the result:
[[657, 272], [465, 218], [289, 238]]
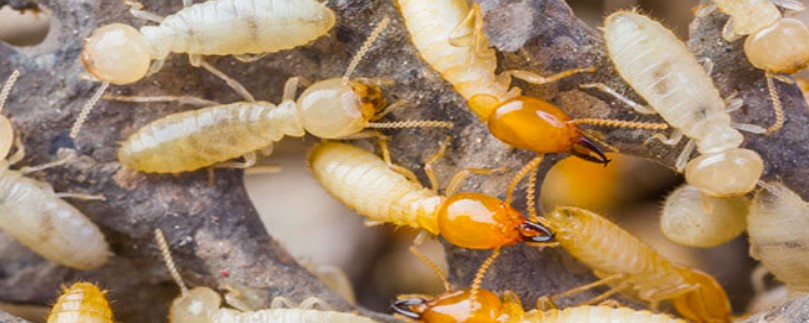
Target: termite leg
[[676, 137], [312, 302], [182, 100], [38, 168], [385, 150], [156, 66], [249, 161], [733, 102], [535, 78], [233, 298], [751, 128], [266, 151], [605, 295], [282, 302], [682, 159], [544, 303], [794, 5], [707, 64], [136, 9], [458, 38], [196, 60], [244, 58], [82, 196], [291, 89], [432, 265], [573, 291], [390, 108], [428, 164], [639, 108], [610, 303]]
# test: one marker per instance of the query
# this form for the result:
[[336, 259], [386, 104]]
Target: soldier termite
[[81, 303], [694, 219], [335, 108], [449, 37], [120, 54], [36, 216], [623, 261], [777, 225], [204, 305], [660, 68], [774, 44]]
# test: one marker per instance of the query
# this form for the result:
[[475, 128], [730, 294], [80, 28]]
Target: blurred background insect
[[82, 302]]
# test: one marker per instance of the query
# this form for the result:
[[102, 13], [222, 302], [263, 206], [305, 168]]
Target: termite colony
[[723, 197]]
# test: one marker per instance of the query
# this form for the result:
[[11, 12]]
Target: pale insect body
[[34, 215], [204, 305], [81, 303], [694, 219], [598, 314], [623, 261], [777, 225]]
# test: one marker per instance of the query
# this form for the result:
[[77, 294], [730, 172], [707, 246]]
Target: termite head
[[452, 306], [117, 54], [196, 306], [479, 221], [782, 47], [338, 107], [732, 172]]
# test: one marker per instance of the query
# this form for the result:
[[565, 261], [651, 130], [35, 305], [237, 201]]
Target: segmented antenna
[[433, 266], [621, 123], [410, 124], [380, 27], [531, 165], [7, 88], [166, 253], [776, 106], [481, 273], [85, 111]]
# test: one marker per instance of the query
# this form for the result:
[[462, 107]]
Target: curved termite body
[[120, 54], [81, 303], [776, 225], [623, 260], [600, 314], [694, 219], [651, 59], [365, 183]]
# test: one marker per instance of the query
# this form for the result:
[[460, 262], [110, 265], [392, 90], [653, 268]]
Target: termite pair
[[334, 109], [36, 216]]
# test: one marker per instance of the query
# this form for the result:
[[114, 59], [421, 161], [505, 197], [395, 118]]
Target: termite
[[449, 37], [204, 305], [694, 219], [120, 54], [651, 59], [36, 216], [777, 45], [335, 108], [81, 303], [623, 261], [777, 225]]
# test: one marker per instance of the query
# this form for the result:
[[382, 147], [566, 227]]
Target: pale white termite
[[777, 225], [694, 219], [120, 54], [651, 59], [204, 305], [33, 214]]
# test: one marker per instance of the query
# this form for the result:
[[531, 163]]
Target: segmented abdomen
[[230, 27], [598, 314], [363, 182], [33, 215], [430, 24], [287, 315], [662, 70], [191, 140], [81, 303]]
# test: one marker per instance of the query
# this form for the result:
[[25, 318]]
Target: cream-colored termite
[[36, 216], [660, 68], [777, 225], [82, 302], [694, 219], [204, 305], [335, 108], [120, 54]]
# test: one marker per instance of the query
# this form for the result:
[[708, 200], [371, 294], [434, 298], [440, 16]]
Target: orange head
[[533, 124], [452, 306], [479, 221], [707, 303]]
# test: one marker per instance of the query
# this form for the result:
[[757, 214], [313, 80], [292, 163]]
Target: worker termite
[[777, 225], [651, 59], [694, 219], [120, 54], [81, 303], [333, 109], [449, 37], [36, 216], [774, 44], [623, 261], [204, 305]]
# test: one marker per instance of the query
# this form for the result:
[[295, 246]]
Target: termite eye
[[404, 307], [535, 232]]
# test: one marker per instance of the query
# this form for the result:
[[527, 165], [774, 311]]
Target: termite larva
[[623, 261], [81, 303], [120, 54], [204, 305], [694, 219], [450, 38], [777, 225], [774, 44], [651, 59], [36, 216], [332, 109]]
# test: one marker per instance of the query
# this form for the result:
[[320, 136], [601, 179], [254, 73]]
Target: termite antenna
[[776, 106], [85, 111], [433, 266], [530, 198], [166, 253], [366, 46], [512, 186], [7, 88], [621, 124], [481, 273], [411, 124]]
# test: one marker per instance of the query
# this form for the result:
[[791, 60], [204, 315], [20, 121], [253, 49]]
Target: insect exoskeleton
[[694, 219], [369, 185], [36, 216], [600, 314], [81, 303], [651, 59], [450, 39], [204, 305], [776, 224], [630, 266]]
